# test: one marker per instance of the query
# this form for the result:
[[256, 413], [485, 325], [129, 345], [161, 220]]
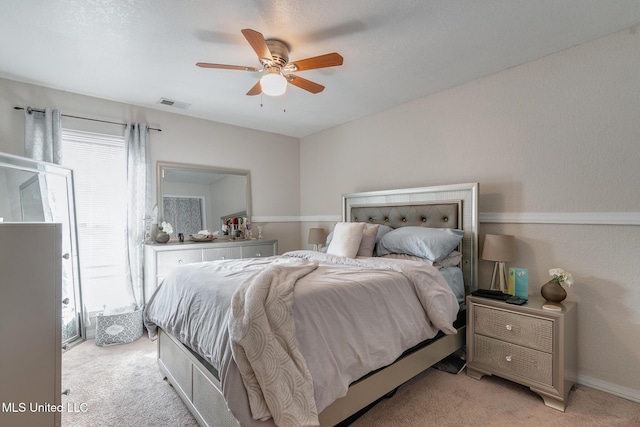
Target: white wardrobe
[[30, 324]]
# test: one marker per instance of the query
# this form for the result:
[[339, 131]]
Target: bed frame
[[448, 206]]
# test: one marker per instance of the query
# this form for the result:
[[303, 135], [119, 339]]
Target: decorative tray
[[202, 237]]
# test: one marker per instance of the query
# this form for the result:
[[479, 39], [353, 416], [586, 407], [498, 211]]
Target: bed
[[195, 369]]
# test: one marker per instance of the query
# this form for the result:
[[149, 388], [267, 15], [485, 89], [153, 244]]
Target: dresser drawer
[[169, 260], [514, 359], [256, 251], [529, 331], [214, 254]]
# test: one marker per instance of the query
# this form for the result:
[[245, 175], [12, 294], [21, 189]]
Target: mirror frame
[[162, 166], [70, 229]]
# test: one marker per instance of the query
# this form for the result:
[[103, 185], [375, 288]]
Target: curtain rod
[[83, 118]]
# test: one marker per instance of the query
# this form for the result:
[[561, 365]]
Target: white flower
[[561, 276], [166, 227]]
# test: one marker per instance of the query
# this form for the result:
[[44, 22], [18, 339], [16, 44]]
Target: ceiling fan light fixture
[[273, 83]]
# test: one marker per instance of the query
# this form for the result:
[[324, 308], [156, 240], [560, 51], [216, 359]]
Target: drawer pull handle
[[258, 254], [221, 257], [508, 358], [179, 261], [509, 327]]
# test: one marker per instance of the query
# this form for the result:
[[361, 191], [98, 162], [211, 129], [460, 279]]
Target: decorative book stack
[[519, 282]]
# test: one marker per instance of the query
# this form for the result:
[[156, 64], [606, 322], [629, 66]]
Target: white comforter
[[350, 317]]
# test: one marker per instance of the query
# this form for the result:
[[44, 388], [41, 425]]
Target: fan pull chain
[[285, 103], [260, 99]]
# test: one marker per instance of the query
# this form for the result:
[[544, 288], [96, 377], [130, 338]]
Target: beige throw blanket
[[263, 343]]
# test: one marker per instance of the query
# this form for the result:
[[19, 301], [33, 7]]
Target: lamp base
[[499, 278]]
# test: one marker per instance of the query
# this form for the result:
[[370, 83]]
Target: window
[[99, 171]]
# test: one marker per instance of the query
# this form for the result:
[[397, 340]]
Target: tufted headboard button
[[424, 219], [446, 219], [404, 219], [386, 219]]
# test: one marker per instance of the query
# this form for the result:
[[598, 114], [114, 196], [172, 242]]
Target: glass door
[[34, 191]]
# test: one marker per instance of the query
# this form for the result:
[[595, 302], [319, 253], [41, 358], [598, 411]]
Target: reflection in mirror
[[193, 197], [34, 191]]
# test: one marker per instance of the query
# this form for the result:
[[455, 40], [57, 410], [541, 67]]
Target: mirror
[[194, 197], [34, 191]]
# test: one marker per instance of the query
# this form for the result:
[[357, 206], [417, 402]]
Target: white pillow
[[346, 239]]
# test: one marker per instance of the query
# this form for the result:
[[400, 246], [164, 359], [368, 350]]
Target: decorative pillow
[[407, 257], [368, 242], [382, 230], [346, 239], [452, 260], [424, 242]]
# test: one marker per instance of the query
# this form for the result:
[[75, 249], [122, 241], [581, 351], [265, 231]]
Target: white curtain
[[42, 135], [43, 142], [138, 201]]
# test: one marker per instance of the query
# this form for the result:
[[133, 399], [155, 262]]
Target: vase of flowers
[[553, 290], [164, 232]]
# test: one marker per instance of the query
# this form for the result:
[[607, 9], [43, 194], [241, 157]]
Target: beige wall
[[550, 140], [272, 159]]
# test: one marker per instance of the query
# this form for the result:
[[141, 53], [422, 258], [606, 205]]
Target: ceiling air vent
[[172, 103]]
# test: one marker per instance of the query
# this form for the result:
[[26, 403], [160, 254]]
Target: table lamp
[[316, 238], [499, 248]]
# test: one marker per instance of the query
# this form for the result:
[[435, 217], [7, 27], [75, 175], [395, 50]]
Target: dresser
[[525, 344], [160, 259], [30, 324]]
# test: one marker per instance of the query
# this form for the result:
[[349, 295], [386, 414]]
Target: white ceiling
[[394, 51]]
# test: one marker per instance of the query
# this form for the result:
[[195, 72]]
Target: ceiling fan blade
[[226, 67], [258, 43], [322, 61], [305, 84], [255, 90]]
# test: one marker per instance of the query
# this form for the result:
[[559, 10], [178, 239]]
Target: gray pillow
[[424, 242]]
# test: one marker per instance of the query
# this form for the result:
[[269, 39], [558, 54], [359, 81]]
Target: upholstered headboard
[[446, 206], [436, 215]]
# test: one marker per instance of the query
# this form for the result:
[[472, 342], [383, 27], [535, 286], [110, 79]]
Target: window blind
[[99, 171]]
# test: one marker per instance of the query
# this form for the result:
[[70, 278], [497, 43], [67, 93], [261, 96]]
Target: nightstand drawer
[[169, 260], [529, 331], [524, 362]]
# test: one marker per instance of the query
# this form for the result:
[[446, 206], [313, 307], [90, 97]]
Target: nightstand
[[525, 344]]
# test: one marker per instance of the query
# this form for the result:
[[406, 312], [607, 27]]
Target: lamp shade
[[499, 248], [273, 83], [316, 236]]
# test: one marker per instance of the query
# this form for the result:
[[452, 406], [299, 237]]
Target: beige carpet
[[122, 386]]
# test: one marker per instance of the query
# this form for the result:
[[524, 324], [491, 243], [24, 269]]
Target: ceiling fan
[[276, 69]]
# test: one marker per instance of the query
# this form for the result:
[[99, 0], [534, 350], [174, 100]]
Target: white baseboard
[[610, 388]]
